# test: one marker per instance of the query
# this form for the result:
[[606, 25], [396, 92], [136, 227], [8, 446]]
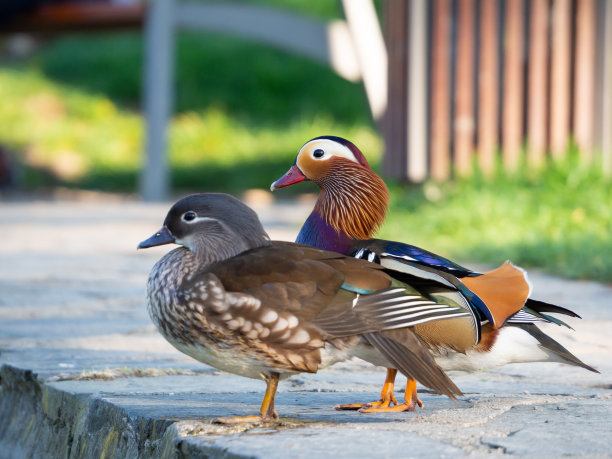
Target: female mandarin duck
[[352, 205], [233, 299]]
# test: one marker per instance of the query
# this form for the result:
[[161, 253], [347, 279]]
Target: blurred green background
[[70, 116]]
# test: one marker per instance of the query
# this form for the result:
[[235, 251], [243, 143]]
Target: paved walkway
[[72, 311]]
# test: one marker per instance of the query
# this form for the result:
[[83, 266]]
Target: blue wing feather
[[421, 256]]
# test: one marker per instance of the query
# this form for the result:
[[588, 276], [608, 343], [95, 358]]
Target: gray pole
[[158, 96]]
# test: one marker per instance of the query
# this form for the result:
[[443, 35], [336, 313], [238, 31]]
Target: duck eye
[[318, 153], [189, 216]]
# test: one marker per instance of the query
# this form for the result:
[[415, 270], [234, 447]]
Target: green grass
[[559, 220], [71, 113]]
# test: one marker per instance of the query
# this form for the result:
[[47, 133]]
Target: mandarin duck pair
[[231, 298]]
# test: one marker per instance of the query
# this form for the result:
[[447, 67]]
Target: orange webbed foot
[[408, 406], [267, 412], [411, 399], [383, 402], [386, 396]]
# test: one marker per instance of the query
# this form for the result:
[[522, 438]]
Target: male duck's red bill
[[291, 177]]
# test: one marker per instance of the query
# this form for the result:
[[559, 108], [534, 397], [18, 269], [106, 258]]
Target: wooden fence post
[[464, 89], [395, 122], [584, 78], [488, 86], [606, 93], [512, 117], [440, 91], [560, 77], [537, 81]]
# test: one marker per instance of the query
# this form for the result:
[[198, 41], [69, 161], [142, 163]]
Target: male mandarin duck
[[352, 205], [231, 298]]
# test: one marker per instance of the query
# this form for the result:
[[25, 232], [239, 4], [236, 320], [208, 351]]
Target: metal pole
[[158, 77]]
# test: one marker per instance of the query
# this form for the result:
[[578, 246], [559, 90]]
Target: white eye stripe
[[330, 147], [199, 219]]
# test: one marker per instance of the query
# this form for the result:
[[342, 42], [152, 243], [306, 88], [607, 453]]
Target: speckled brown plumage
[[263, 309]]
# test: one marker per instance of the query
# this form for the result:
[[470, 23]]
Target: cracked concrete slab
[[85, 373], [531, 425]]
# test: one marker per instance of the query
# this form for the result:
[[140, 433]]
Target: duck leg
[[411, 399], [267, 411], [386, 395]]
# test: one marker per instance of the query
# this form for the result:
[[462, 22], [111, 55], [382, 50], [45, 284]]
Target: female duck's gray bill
[[163, 236]]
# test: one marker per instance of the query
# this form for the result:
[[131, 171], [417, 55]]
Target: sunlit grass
[[70, 114], [559, 220]]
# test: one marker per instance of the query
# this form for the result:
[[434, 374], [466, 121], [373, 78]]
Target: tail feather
[[542, 306], [547, 318], [535, 311], [551, 345]]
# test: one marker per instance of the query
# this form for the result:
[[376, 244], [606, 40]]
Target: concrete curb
[[61, 424]]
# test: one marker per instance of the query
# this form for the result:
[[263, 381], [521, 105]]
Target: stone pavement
[[85, 374]]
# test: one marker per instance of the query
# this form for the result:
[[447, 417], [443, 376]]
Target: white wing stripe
[[420, 314], [404, 268], [403, 257], [425, 309], [390, 302], [427, 319]]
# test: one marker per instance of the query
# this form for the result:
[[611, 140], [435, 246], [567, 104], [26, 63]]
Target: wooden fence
[[494, 80]]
